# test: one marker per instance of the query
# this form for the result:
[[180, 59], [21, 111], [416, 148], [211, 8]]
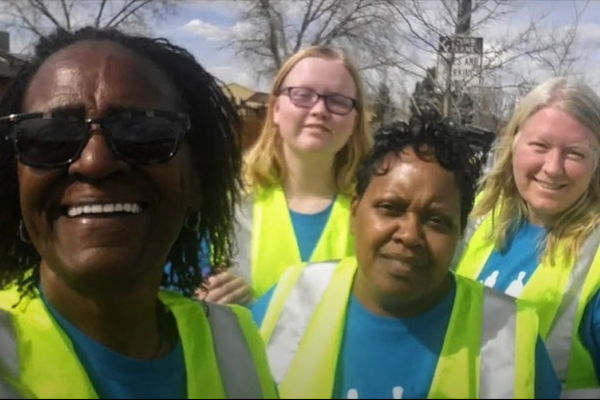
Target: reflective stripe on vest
[[238, 372], [267, 243], [561, 309], [495, 322], [9, 357]]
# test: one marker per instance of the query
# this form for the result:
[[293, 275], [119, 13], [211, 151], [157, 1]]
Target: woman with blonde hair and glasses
[[299, 174], [535, 227]]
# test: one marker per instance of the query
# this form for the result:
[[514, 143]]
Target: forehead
[[97, 76], [557, 126], [408, 175], [322, 74]]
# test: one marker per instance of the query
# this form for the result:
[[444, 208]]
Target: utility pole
[[463, 28]]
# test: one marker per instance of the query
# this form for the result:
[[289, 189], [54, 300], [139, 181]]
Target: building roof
[[247, 97]]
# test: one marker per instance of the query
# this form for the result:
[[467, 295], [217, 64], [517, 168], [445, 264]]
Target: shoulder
[[494, 299]]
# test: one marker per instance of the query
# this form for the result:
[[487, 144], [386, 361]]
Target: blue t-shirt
[[510, 269], [308, 229], [204, 265], [115, 376], [378, 356]]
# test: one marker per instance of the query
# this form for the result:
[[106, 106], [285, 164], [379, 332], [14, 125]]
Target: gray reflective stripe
[[472, 226], [581, 394], [242, 258], [7, 391], [498, 346], [9, 356], [560, 338], [238, 370], [297, 312]]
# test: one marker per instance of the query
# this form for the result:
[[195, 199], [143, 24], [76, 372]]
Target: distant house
[[252, 106]]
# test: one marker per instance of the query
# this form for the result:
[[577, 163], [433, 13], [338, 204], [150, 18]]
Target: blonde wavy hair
[[499, 196], [264, 161]]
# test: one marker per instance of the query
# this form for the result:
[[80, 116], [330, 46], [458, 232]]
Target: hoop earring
[[192, 221], [23, 234]]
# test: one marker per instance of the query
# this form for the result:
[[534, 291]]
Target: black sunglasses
[[51, 140]]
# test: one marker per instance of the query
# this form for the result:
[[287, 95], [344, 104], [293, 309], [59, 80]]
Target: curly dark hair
[[213, 138], [431, 138]]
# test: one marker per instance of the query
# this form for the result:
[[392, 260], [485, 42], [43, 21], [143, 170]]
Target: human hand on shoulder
[[226, 288]]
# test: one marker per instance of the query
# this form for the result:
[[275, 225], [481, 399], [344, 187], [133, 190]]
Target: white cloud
[[207, 30]]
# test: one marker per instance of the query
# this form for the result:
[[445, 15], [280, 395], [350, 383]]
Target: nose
[[553, 164], [320, 108], [97, 161], [408, 231]]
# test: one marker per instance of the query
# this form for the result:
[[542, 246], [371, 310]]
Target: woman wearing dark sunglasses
[[120, 155]]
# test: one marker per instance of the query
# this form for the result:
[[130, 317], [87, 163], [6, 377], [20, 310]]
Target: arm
[[226, 287]]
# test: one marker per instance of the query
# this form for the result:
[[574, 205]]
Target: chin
[[404, 292], [100, 276]]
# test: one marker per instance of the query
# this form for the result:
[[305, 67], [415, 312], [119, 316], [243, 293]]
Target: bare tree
[[564, 55], [38, 17], [505, 54], [276, 29]]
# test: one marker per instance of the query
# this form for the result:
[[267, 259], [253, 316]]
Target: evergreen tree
[[384, 106]]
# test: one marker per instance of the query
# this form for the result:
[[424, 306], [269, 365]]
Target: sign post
[[459, 65]]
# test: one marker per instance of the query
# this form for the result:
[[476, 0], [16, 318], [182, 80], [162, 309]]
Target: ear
[[353, 208], [276, 112]]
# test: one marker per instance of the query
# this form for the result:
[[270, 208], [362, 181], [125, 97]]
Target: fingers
[[226, 288]]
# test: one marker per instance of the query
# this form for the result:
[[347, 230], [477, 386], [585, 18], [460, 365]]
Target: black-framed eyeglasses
[[51, 140], [305, 97]]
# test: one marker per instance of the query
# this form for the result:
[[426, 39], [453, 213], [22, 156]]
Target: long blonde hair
[[264, 161], [499, 195]]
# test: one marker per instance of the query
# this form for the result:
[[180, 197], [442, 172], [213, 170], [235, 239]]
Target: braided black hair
[[213, 140], [431, 138]]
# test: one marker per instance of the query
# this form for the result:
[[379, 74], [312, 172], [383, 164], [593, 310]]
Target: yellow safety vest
[[560, 292], [267, 243], [304, 324], [224, 354]]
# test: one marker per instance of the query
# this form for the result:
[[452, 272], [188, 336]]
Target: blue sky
[[200, 24]]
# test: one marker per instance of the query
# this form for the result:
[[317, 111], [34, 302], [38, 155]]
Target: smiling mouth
[[549, 186], [104, 209]]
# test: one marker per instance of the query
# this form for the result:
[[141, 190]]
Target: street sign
[[460, 57]]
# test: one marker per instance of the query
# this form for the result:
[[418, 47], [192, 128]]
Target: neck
[[540, 219], [126, 322], [397, 305], [310, 176]]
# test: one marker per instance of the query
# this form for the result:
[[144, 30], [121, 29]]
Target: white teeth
[[549, 186], [130, 208]]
